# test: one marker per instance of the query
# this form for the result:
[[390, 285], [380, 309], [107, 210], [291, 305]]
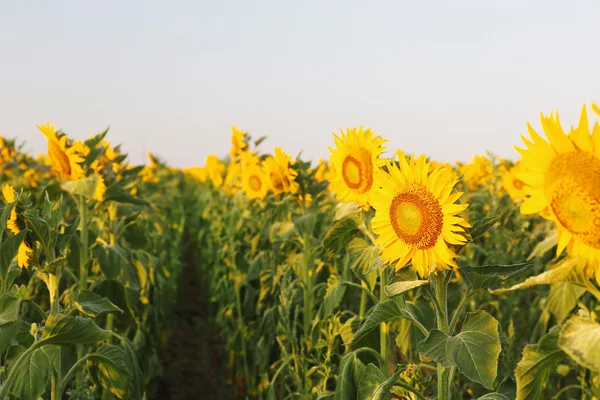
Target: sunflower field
[[376, 274]]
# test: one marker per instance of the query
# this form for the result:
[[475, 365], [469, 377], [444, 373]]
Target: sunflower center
[[416, 216], [255, 183], [573, 187], [277, 181], [357, 171], [518, 184]]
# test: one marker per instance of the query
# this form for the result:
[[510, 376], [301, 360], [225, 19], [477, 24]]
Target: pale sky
[[448, 78]]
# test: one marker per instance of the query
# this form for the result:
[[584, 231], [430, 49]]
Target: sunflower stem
[[83, 251], [383, 334], [440, 282]]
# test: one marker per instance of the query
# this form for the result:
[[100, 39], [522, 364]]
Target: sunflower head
[[355, 159], [215, 169], [255, 182], [238, 144], [512, 184], [477, 173], [65, 160], [282, 177], [321, 173], [562, 178], [231, 184], [10, 196], [416, 216]]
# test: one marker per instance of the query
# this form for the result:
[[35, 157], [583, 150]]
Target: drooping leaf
[[92, 305], [346, 385], [536, 364], [136, 385], [483, 225], [383, 312], [333, 296], [580, 339], [474, 350], [485, 276], [367, 261], [62, 329], [494, 396], [111, 259], [340, 235], [108, 369], [374, 385], [397, 287], [563, 299], [9, 309], [9, 249], [345, 210], [544, 246]]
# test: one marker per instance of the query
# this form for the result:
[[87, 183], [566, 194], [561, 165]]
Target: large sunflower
[[416, 216], [64, 160], [563, 178], [24, 250], [282, 178], [355, 160], [255, 182]]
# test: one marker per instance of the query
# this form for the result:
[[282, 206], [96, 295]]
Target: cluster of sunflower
[[247, 171]]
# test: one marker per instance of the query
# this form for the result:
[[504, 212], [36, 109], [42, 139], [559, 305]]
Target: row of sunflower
[[90, 251], [300, 261]]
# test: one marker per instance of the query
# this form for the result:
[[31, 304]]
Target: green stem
[[566, 388], [83, 251], [70, 374], [15, 369], [364, 289], [307, 276], [383, 333], [410, 389], [363, 302], [461, 306], [240, 315], [37, 308], [440, 281]]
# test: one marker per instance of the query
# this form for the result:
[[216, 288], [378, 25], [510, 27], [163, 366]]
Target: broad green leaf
[[9, 249], [340, 235], [374, 385], [346, 385], [92, 305], [483, 225], [399, 287], [52, 212], [136, 385], [108, 369], [116, 193], [61, 329], [489, 275], [111, 259], [474, 350], [82, 187], [570, 270], [383, 312], [563, 299], [333, 296], [580, 339], [282, 231], [367, 262], [34, 372], [9, 309], [40, 228], [536, 364], [306, 223], [6, 210]]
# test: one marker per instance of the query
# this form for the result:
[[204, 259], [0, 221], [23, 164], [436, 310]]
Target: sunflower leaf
[[483, 225], [580, 339]]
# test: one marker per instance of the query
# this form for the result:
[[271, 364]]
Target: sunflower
[[416, 216], [24, 250], [232, 183], [215, 169], [356, 158], [282, 178], [254, 182], [64, 160], [563, 178], [237, 142], [477, 173], [513, 185], [321, 173], [198, 173]]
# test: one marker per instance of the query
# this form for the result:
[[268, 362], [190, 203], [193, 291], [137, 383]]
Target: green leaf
[[82, 187], [61, 329], [9, 309], [474, 350], [374, 385], [136, 385], [92, 305], [483, 225], [9, 249], [580, 340], [34, 372], [486, 276], [544, 246], [536, 364], [116, 193], [346, 385], [563, 299], [111, 259], [39, 227], [108, 369], [6, 210], [340, 235], [368, 261], [306, 223], [386, 311], [345, 210], [333, 296], [404, 280], [570, 270]]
